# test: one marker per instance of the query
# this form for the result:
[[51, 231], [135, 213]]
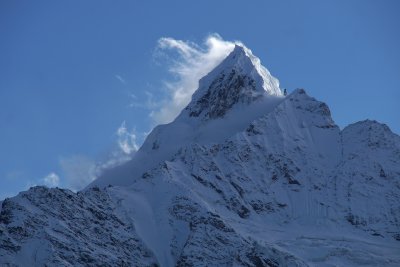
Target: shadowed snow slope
[[244, 176]]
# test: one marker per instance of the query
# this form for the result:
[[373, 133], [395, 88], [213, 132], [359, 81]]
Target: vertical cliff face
[[244, 176]]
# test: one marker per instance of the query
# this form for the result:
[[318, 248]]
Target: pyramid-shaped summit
[[238, 79]]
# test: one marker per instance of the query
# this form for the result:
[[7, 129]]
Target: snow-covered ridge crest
[[269, 83], [243, 60]]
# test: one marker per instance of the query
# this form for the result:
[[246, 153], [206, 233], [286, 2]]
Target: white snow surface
[[242, 177]]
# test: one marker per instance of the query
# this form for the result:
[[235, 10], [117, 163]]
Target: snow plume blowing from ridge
[[126, 140], [126, 148], [193, 62]]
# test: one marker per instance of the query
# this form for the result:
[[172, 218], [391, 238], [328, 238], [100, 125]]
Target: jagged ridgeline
[[244, 176]]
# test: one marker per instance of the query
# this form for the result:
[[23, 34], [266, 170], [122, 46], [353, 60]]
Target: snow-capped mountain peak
[[238, 91], [242, 177], [240, 79], [243, 60]]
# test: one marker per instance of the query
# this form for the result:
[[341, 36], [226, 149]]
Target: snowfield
[[244, 176]]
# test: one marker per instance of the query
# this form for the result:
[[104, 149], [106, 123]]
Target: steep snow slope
[[242, 177]]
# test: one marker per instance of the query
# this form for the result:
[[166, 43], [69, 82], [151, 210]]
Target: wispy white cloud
[[191, 63], [149, 103], [78, 170], [51, 180], [119, 78], [126, 139]]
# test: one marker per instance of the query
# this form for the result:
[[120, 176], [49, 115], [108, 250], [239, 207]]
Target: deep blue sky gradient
[[58, 59]]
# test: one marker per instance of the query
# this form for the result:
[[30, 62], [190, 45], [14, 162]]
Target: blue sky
[[71, 72]]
